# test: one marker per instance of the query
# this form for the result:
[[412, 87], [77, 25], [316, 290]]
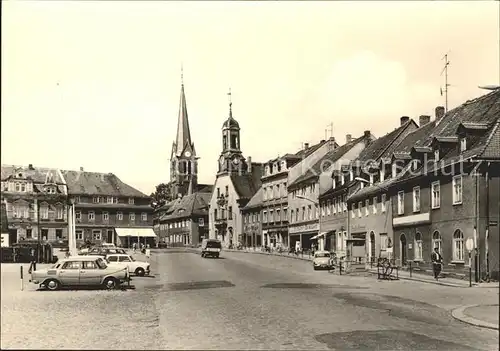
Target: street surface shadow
[[198, 285], [151, 322], [386, 340], [399, 307], [310, 286]]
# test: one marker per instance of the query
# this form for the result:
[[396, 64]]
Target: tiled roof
[[246, 185], [331, 156], [188, 206], [383, 146], [415, 139], [205, 188], [492, 148], [255, 201], [93, 183], [37, 174], [306, 152]]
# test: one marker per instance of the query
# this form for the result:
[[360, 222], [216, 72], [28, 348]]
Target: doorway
[[402, 248]]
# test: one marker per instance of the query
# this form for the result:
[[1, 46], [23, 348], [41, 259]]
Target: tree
[[162, 195]]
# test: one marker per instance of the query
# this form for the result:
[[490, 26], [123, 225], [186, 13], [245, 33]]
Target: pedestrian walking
[[148, 253], [134, 247], [437, 262]]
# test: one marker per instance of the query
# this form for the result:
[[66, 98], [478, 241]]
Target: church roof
[[183, 137], [188, 206], [230, 122]]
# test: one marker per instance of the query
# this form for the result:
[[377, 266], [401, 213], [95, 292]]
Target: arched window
[[436, 242], [458, 245], [418, 246]]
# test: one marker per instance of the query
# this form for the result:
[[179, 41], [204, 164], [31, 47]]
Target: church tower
[[183, 160], [231, 159]]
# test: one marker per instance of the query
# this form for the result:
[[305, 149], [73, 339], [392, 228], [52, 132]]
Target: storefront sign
[[304, 228]]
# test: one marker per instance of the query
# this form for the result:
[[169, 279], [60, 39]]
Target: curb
[[458, 314]]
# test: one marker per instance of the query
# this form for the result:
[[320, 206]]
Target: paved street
[[243, 301]]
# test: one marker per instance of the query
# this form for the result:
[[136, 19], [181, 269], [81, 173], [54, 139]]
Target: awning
[[136, 232], [319, 235]]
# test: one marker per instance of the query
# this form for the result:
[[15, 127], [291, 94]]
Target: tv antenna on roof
[[446, 85]]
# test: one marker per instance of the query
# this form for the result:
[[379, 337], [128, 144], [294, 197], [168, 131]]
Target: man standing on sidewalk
[[437, 262]]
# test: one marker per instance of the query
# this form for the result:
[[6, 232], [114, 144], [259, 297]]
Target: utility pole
[[446, 85]]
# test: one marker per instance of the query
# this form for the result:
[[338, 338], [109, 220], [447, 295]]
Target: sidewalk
[[453, 282], [284, 254], [484, 316]]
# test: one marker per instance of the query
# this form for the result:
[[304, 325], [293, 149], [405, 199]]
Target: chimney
[[306, 146], [404, 119], [423, 120], [30, 167], [439, 111], [367, 133], [81, 169], [249, 164], [348, 138]]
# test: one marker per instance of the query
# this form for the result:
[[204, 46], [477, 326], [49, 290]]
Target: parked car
[[104, 251], [139, 268], [80, 271], [321, 260], [211, 247]]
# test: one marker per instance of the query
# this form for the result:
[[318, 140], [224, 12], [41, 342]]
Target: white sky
[[96, 84]]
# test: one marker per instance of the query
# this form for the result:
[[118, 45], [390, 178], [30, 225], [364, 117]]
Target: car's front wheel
[[140, 272], [52, 284], [110, 283]]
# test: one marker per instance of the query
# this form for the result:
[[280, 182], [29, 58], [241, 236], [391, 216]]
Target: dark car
[[211, 248]]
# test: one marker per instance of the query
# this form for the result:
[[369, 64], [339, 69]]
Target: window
[[72, 265], [131, 201], [119, 216], [418, 246], [18, 187], [144, 216], [230, 212], [344, 201], [113, 258], [309, 212], [124, 259], [374, 206], [458, 245], [44, 211], [367, 207], [23, 187], [105, 216], [463, 144], [59, 235], [382, 202], [436, 242], [218, 192], [227, 190], [77, 199], [91, 216], [303, 213], [457, 190], [79, 235], [360, 206], [401, 202], [435, 194], [96, 235], [416, 199], [297, 215], [96, 199], [201, 222], [131, 217], [109, 199], [89, 265], [328, 208], [383, 242]]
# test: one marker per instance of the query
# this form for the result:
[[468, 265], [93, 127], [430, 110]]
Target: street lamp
[[71, 227]]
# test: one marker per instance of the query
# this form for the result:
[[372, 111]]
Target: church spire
[[183, 133]]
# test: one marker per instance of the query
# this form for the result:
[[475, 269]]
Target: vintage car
[[321, 260], [139, 268], [104, 251], [211, 248], [80, 271]]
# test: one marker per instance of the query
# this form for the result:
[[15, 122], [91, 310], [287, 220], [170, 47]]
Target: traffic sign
[[469, 244]]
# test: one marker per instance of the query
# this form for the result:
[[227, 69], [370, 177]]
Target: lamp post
[[71, 227]]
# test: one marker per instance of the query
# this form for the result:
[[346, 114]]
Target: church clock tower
[[183, 160], [231, 159]]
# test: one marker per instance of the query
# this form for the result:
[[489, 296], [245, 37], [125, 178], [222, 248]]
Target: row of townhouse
[[431, 184], [37, 203]]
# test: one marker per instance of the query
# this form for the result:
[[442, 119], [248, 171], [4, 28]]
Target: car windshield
[[132, 259], [322, 254], [214, 244], [101, 263]]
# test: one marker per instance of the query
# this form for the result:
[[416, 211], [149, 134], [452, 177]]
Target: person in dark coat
[[437, 262]]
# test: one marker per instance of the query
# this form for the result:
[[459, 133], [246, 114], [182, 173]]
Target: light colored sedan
[[139, 268], [80, 271], [321, 260]]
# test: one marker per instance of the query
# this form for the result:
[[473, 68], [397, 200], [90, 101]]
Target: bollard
[[470, 277], [22, 279], [128, 278], [410, 269], [340, 266]]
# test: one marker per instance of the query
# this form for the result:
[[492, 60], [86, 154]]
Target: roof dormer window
[[463, 144]]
